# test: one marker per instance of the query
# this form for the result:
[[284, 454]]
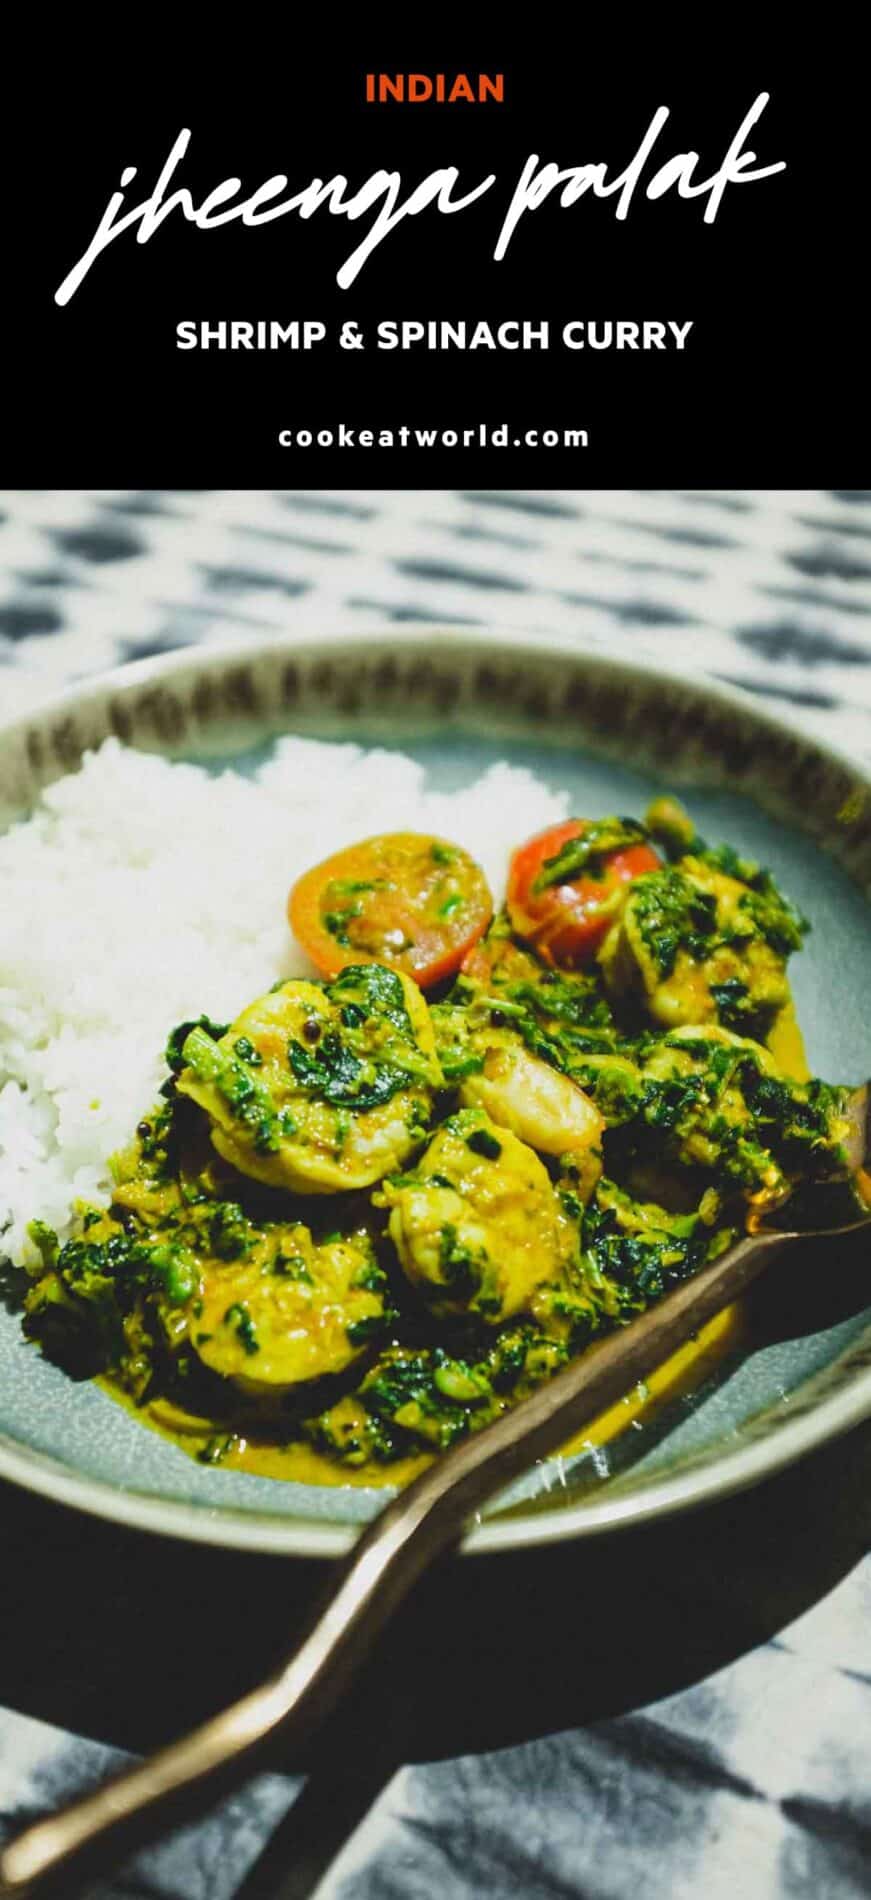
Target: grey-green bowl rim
[[229, 1529]]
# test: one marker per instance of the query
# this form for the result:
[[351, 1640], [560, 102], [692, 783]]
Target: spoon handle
[[413, 1529]]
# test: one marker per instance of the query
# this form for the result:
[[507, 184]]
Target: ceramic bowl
[[613, 733]]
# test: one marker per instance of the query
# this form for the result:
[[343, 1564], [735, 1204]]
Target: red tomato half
[[566, 922], [415, 902]]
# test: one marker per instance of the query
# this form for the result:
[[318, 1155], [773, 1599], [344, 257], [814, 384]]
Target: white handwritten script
[[382, 195]]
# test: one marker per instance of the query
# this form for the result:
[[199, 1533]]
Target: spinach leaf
[[588, 850]]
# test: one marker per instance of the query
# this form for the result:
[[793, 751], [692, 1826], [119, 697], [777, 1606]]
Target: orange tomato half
[[565, 923], [411, 901]]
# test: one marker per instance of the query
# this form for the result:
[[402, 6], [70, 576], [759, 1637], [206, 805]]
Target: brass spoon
[[414, 1528]]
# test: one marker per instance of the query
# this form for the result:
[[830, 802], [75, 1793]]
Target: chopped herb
[[292, 1266], [246, 1052], [229, 1231], [482, 1142], [671, 914], [239, 1317], [174, 1051], [586, 854]]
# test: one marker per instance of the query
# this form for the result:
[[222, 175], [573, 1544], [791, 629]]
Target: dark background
[[768, 391]]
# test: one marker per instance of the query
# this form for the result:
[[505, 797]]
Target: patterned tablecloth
[[680, 1711]]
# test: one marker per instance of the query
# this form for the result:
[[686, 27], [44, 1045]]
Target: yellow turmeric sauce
[[688, 1368], [787, 1045], [680, 1375]]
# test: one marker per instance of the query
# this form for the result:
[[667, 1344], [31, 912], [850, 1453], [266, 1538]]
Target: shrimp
[[687, 947], [319, 1087], [287, 1310], [540, 1105], [478, 1227]]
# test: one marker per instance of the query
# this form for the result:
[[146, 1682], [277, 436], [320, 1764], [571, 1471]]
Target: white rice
[[141, 892]]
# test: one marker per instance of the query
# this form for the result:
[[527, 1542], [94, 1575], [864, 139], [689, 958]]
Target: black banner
[[384, 265]]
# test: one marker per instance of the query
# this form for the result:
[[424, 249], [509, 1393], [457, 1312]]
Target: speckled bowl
[[612, 733]]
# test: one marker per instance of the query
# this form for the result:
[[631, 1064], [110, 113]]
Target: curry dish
[[385, 1203]]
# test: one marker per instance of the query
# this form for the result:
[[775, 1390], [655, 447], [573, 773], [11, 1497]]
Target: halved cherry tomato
[[415, 902], [565, 921]]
